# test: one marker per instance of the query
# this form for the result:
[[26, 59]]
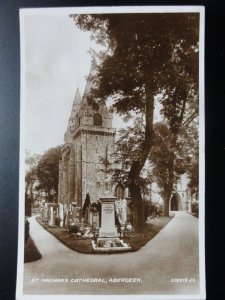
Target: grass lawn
[[194, 215], [31, 253], [137, 240], [84, 245], [79, 244]]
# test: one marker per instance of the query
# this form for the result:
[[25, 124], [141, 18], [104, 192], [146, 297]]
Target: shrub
[[27, 206], [194, 208], [150, 209], [31, 253], [159, 209], [57, 221], [74, 229]]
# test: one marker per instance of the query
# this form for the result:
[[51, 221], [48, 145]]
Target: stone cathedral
[[89, 137]]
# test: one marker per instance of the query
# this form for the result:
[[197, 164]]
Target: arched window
[[97, 120], [119, 191]]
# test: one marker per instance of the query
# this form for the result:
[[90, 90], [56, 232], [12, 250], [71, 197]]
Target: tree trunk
[[167, 196], [166, 207], [168, 189], [138, 213], [27, 206], [31, 192], [138, 165], [169, 186]]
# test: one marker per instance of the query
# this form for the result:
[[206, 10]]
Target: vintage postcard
[[112, 153]]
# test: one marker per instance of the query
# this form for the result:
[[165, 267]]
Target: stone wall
[[94, 147]]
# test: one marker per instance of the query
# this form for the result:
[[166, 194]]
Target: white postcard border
[[99, 10]]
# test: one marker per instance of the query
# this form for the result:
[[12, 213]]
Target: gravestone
[[121, 210], [95, 220], [124, 211], [77, 214], [108, 228], [45, 213], [90, 217], [66, 219], [52, 217], [61, 214], [73, 209]]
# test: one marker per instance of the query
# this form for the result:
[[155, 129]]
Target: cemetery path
[[172, 254]]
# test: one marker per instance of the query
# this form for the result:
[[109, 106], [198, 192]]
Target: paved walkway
[[173, 253]]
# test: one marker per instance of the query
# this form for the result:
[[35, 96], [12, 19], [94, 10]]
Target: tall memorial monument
[[108, 228]]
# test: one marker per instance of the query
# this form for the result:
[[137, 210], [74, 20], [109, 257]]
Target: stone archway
[[175, 204]]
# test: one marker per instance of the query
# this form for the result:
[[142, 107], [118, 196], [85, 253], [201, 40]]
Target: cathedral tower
[[89, 137]]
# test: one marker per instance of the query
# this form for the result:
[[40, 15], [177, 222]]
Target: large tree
[[193, 166], [169, 161], [166, 162], [145, 54], [31, 161], [127, 150], [48, 172], [180, 108]]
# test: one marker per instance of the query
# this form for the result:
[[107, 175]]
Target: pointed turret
[[73, 117], [75, 108], [89, 83]]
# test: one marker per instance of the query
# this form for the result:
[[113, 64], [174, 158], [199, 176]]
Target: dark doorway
[[174, 202]]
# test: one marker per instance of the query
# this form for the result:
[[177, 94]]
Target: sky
[[56, 64]]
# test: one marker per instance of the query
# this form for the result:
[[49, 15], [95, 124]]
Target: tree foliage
[[147, 54], [127, 151], [31, 162], [164, 157], [48, 172], [146, 50], [193, 153]]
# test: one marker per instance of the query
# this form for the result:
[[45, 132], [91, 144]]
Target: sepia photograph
[[111, 195]]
